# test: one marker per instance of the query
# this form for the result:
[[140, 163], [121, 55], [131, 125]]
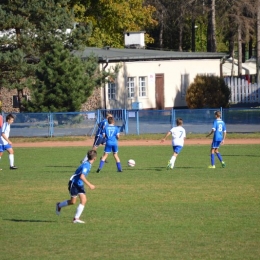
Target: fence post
[[51, 124], [125, 120], [137, 122], [221, 112], [173, 117]]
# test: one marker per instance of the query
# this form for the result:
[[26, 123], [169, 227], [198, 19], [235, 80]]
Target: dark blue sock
[[101, 164], [219, 156], [212, 159], [118, 165]]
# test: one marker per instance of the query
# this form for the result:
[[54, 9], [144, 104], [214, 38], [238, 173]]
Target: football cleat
[[58, 209], [223, 164], [169, 166], [77, 220], [212, 167]]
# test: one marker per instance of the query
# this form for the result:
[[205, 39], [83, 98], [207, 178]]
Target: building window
[[130, 85], [142, 86], [185, 82], [111, 90]]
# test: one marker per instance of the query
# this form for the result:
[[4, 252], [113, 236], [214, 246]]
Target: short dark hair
[[179, 121], [111, 120], [217, 113], [9, 116], [92, 154]]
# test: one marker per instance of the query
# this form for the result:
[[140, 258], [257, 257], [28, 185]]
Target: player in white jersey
[[5, 143], [178, 134]]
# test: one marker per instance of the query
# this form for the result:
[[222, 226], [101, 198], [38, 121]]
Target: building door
[[159, 91]]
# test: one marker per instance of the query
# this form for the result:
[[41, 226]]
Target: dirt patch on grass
[[89, 142]]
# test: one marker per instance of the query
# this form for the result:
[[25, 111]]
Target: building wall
[[7, 105], [173, 71], [7, 99]]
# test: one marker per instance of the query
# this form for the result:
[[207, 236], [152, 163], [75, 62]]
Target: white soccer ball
[[131, 163]]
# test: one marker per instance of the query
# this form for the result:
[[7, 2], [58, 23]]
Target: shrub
[[208, 91]]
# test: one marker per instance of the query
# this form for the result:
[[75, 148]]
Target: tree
[[208, 92], [111, 19], [211, 32], [258, 43], [29, 30], [63, 82]]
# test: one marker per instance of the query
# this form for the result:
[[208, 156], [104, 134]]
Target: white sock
[[79, 210], [172, 161], [11, 159], [63, 204]]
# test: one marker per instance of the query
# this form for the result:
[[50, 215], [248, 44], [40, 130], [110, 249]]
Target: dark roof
[[108, 54]]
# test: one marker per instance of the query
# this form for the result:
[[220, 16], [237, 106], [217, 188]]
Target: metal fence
[[237, 120]]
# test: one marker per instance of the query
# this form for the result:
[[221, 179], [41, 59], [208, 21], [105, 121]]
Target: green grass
[[146, 212]]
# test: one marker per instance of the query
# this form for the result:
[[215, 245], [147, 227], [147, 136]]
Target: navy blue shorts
[[75, 190], [99, 140]]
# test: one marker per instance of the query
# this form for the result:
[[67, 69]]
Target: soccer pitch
[[145, 212]]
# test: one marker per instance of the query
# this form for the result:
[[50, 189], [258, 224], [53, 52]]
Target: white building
[[151, 79]]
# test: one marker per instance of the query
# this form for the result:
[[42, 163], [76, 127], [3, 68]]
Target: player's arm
[[5, 137], [83, 178], [165, 136], [224, 136], [211, 132]]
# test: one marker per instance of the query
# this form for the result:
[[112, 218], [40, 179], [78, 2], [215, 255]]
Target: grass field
[[146, 212]]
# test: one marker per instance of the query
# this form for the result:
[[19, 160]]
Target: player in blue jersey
[[111, 133], [76, 187], [219, 134], [99, 139], [178, 134], [5, 143]]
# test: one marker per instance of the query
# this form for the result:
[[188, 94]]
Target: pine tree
[[64, 82], [29, 30]]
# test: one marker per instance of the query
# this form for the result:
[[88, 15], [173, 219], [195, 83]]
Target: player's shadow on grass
[[29, 220], [243, 155], [143, 169], [60, 166]]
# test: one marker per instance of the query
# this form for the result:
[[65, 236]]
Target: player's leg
[[212, 155], [80, 208], [11, 157], [173, 159], [220, 158], [118, 163], [117, 159], [73, 198], [177, 150], [169, 165], [107, 151], [1, 153]]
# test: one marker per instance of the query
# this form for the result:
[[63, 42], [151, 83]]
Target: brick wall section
[[93, 102], [6, 98]]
